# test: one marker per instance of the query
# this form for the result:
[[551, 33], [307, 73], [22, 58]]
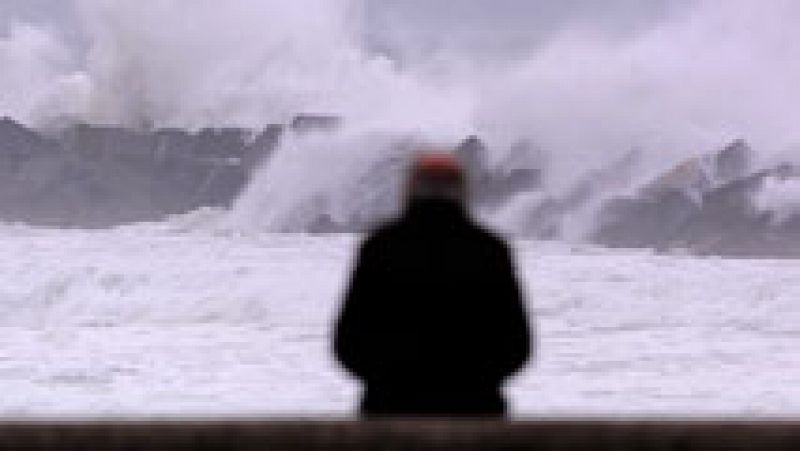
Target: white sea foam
[[145, 320], [780, 197]]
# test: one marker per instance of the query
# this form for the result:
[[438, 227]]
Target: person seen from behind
[[433, 321]]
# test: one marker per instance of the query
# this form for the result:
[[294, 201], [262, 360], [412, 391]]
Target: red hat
[[437, 174], [437, 162]]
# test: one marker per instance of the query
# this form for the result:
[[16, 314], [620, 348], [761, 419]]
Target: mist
[[675, 82]]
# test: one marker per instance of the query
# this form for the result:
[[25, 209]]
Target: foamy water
[[181, 318], [159, 320]]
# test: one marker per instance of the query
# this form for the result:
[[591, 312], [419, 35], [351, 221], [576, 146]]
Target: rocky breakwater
[[99, 176], [717, 204]]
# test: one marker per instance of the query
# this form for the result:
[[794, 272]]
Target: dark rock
[[262, 147], [546, 219], [705, 206], [733, 162], [306, 123], [490, 187], [220, 143], [473, 156], [100, 176], [19, 145], [652, 221]]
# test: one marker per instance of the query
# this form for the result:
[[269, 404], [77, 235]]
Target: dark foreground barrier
[[406, 434]]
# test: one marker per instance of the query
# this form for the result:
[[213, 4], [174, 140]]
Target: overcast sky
[[35, 10], [505, 25], [501, 14], [482, 25]]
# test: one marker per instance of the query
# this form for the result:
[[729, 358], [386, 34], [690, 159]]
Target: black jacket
[[433, 320]]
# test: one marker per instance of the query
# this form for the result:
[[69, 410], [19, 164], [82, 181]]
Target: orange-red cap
[[437, 160], [437, 163], [437, 174]]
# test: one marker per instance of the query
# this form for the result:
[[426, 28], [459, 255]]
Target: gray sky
[[420, 25], [57, 14], [518, 13], [504, 25], [38, 11]]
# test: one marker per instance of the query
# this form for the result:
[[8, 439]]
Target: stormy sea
[[183, 189]]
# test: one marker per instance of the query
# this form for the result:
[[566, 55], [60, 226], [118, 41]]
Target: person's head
[[438, 176]]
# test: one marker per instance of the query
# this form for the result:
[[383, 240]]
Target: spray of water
[[718, 71], [706, 74]]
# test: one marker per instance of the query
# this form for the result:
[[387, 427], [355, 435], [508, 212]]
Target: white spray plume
[[779, 197], [190, 64], [36, 80], [246, 63], [719, 71], [716, 71]]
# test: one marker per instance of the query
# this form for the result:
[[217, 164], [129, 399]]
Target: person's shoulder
[[384, 231], [381, 235], [486, 234], [489, 238]]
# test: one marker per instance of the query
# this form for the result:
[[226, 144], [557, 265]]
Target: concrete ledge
[[405, 434]]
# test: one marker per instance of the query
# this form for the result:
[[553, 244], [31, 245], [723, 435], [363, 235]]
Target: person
[[433, 320]]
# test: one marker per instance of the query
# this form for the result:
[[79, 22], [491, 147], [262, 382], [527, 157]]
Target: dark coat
[[433, 320]]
